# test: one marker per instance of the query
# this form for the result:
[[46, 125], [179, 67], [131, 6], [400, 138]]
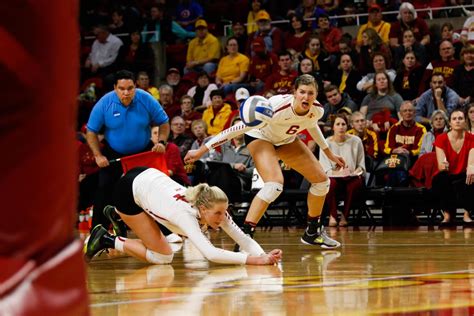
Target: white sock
[[119, 243]]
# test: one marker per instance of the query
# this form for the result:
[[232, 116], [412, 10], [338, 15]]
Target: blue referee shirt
[[126, 128]]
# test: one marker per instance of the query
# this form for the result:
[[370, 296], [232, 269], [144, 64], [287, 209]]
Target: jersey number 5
[[293, 129]]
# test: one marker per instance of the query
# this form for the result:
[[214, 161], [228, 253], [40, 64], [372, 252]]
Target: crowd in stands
[[391, 93]]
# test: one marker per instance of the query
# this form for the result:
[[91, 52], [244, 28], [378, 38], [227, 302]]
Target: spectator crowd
[[399, 91]]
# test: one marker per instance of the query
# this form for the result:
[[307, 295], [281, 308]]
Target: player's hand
[[277, 254], [266, 259], [338, 160], [193, 155], [101, 161]]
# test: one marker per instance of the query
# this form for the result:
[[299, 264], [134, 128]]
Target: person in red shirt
[[171, 108], [454, 184], [405, 136], [281, 82], [173, 159], [404, 139], [262, 65], [272, 35], [408, 19], [296, 37], [188, 113], [444, 66], [330, 35]]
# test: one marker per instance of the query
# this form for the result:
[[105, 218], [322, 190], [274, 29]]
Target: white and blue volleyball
[[256, 111]]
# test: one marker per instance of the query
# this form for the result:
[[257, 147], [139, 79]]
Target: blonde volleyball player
[[145, 195], [278, 140]]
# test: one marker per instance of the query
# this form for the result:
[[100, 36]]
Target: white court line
[[317, 285]]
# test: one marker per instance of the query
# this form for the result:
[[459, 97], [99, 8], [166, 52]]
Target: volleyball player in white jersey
[[278, 140], [145, 195]]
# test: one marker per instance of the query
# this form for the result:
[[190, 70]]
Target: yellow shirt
[[218, 120], [383, 29], [230, 68], [342, 86], [251, 23], [154, 92], [198, 49]]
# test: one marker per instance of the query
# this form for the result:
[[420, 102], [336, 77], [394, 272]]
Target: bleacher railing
[[228, 25], [464, 8]]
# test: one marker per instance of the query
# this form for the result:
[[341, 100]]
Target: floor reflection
[[377, 271]]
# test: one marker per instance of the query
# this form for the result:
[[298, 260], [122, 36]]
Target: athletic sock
[[119, 243], [249, 227], [313, 225], [313, 218]]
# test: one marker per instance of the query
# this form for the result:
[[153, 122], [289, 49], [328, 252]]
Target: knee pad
[[270, 191], [320, 188], [158, 258]]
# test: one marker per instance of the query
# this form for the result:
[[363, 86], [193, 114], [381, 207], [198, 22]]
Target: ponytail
[[205, 195]]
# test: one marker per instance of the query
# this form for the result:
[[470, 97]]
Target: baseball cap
[[175, 70], [262, 15], [375, 7], [258, 44], [241, 94], [200, 23]]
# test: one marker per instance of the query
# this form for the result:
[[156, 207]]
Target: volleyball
[[256, 111]]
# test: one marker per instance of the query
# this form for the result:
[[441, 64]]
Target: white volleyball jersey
[[163, 199], [285, 123], [283, 126]]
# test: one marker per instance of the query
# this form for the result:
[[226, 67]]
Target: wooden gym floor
[[378, 271]]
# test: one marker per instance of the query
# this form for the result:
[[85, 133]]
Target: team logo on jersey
[[393, 161]]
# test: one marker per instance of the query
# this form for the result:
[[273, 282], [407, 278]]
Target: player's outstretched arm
[[266, 259], [216, 141], [195, 154]]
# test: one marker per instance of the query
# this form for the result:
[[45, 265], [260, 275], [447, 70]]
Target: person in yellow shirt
[[216, 115], [233, 68], [252, 16], [143, 82], [375, 22], [203, 51]]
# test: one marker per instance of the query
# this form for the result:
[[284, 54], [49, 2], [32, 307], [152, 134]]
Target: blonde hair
[[306, 80], [205, 195], [357, 113]]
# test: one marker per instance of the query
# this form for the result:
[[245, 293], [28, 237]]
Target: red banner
[[149, 159]]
